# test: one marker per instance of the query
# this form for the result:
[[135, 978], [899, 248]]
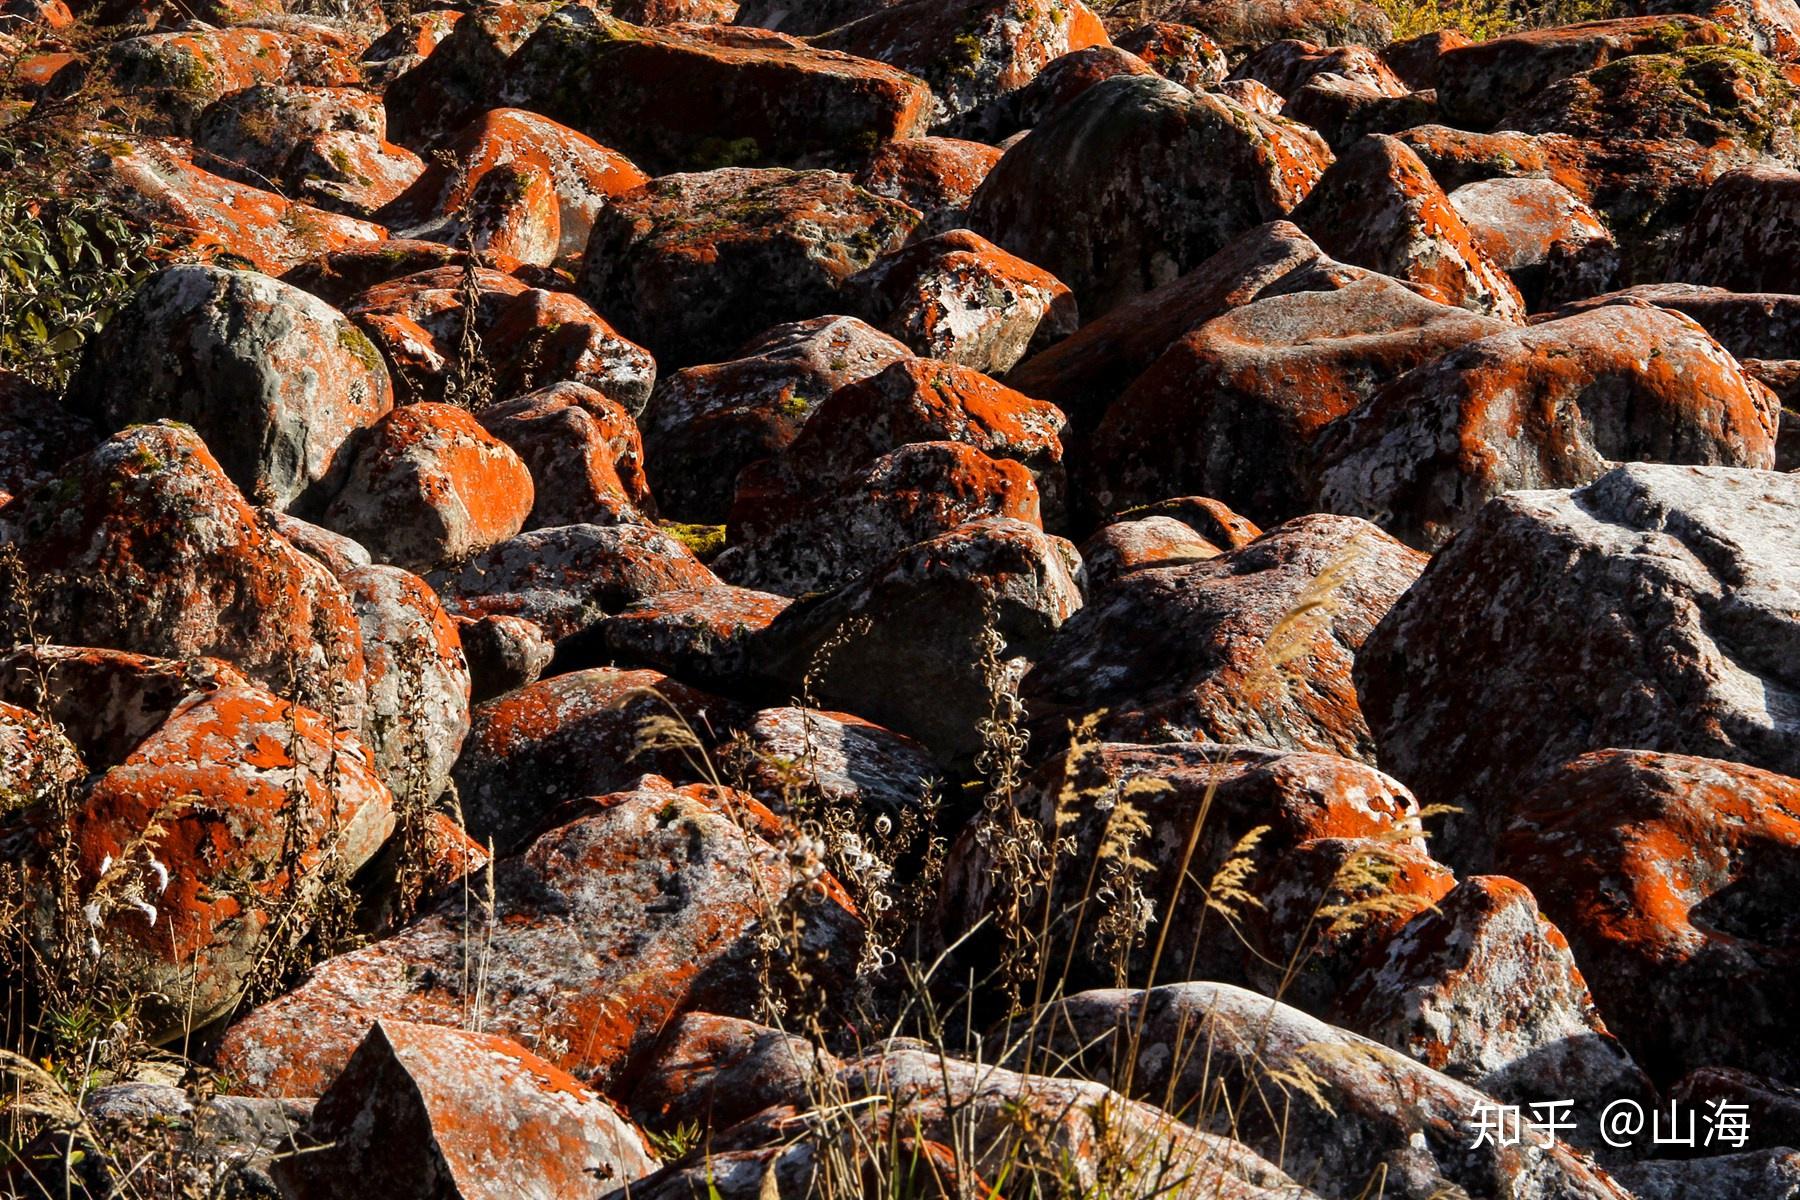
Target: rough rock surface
[[643, 906], [1233, 649], [1681, 572], [273, 379]]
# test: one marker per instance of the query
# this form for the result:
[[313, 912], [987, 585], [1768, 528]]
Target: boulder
[[1288, 65], [911, 494], [1220, 412], [1254, 647], [273, 379], [920, 642], [705, 424], [1647, 610], [935, 175], [504, 653], [1554, 247], [702, 634], [465, 1116], [1179, 53], [461, 76], [1553, 405], [712, 1072], [1337, 1107], [1241, 26], [1125, 546], [959, 298], [674, 100], [1092, 197], [143, 544], [1378, 207], [1753, 1175], [584, 453], [177, 74], [796, 757], [1666, 872], [428, 486], [698, 264], [1743, 235], [217, 831], [38, 761], [565, 578], [533, 752], [582, 174], [644, 905]]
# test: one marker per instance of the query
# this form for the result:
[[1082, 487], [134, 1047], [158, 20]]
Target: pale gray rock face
[[1652, 609], [1484, 988], [1752, 1175], [1389, 1117], [273, 379]]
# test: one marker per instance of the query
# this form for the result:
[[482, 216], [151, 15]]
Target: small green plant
[[1484, 19]]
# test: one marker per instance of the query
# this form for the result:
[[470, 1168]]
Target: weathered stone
[[913, 493], [1288, 65], [144, 545], [1139, 180], [1378, 207], [38, 761], [1415, 59], [178, 74], [1366, 1116], [676, 101], [465, 1116], [959, 298], [1233, 408], [583, 175], [504, 653], [699, 634], [1254, 647], [427, 486], [645, 905], [935, 175], [1240, 26], [1752, 1175], [837, 758], [38, 433], [705, 424], [205, 835], [1553, 246], [1744, 235], [1122, 547], [909, 637], [272, 378], [698, 264], [567, 577], [459, 79], [584, 453], [1668, 874], [713, 1071], [1344, 110], [1650, 609], [1553, 405], [1179, 53], [1054, 88]]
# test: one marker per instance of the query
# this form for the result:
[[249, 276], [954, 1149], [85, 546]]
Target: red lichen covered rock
[[190, 848], [274, 379], [469, 1116], [715, 1071], [178, 74], [582, 174], [325, 145], [678, 100], [908, 495], [1232, 409], [504, 653], [1553, 246], [106, 702], [1126, 546], [532, 752], [705, 424], [1378, 207], [960, 298], [1480, 83], [1241, 26], [935, 175], [912, 400], [833, 757], [37, 761], [909, 637], [428, 485], [565, 578], [1287, 66], [971, 52], [418, 680], [1484, 988], [702, 634], [1650, 609], [583, 451], [1220, 651], [1553, 405], [1415, 59], [645, 905], [1179, 53], [1183, 175], [1191, 806], [461, 76], [407, 42], [529, 337], [1745, 235], [156, 182], [1085, 372], [698, 264], [1063, 79], [1345, 109], [1669, 875], [143, 544], [1333, 1105]]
